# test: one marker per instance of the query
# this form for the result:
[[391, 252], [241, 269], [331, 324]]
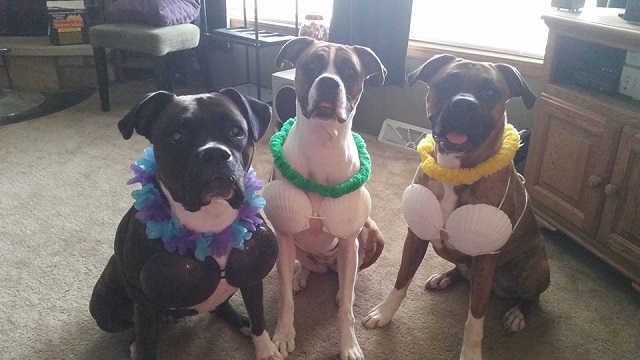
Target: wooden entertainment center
[[583, 163]]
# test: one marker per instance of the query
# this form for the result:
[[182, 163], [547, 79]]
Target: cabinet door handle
[[595, 181], [611, 190]]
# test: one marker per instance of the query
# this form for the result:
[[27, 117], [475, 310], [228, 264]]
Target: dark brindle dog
[[203, 147]]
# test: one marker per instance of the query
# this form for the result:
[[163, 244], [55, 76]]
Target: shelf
[[247, 36], [621, 107]]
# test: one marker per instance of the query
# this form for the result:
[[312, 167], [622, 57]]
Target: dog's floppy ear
[[292, 50], [142, 116], [517, 85], [256, 112], [371, 63], [427, 70]]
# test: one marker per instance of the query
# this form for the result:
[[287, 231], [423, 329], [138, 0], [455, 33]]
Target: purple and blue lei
[[155, 213]]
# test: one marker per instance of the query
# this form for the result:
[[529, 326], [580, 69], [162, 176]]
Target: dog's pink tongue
[[456, 138]]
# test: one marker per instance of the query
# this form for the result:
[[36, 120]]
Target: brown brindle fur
[[520, 270]]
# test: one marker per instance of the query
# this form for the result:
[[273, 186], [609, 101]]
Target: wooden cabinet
[[583, 164]]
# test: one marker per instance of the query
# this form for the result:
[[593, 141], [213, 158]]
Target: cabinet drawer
[[569, 162]]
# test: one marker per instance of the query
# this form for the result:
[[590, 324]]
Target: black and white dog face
[[203, 143], [329, 77]]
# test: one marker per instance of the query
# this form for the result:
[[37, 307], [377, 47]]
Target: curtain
[[381, 25]]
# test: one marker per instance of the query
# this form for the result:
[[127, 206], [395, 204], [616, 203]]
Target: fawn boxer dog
[[316, 201], [467, 199], [194, 235]]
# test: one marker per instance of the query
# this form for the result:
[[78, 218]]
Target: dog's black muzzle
[[462, 115], [327, 98], [214, 172]]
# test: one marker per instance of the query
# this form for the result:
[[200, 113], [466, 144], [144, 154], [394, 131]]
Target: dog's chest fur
[[322, 151], [214, 217]]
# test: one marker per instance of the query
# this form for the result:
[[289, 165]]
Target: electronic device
[[632, 11], [573, 5], [284, 98]]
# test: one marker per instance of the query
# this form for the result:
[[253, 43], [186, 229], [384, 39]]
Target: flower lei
[[155, 213], [308, 185], [504, 156]]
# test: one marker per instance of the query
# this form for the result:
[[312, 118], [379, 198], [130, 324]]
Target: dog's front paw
[[513, 320], [265, 348], [380, 315], [284, 339], [471, 353], [353, 352]]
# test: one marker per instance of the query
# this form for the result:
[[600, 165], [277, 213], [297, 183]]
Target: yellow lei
[[510, 144]]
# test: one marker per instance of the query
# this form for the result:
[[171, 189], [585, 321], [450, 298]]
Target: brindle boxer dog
[[466, 107], [203, 146]]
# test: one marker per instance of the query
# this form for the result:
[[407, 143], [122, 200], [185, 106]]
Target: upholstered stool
[[155, 41]]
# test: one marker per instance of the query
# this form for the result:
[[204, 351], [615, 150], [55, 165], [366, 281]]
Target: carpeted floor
[[62, 181]]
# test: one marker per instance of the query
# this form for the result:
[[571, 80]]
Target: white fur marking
[[472, 342], [382, 314], [214, 217], [265, 349], [514, 320]]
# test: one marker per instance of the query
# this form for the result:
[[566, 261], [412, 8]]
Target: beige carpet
[[63, 192]]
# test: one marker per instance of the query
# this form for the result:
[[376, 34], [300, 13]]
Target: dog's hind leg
[[443, 280], [110, 304], [300, 277], [227, 313]]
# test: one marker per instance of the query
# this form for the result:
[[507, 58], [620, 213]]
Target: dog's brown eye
[[489, 93], [235, 131], [176, 136]]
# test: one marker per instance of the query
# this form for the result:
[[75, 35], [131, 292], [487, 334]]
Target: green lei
[[308, 185]]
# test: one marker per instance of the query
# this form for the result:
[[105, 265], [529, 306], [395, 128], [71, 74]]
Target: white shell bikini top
[[474, 230], [289, 209]]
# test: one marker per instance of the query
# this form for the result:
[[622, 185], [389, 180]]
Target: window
[[281, 11], [503, 26]]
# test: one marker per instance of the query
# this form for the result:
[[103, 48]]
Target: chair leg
[[204, 64], [162, 74], [258, 73], [100, 56]]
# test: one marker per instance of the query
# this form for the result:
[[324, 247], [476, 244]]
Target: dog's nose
[[328, 85], [464, 103], [213, 152]]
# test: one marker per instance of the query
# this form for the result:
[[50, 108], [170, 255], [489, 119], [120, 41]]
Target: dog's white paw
[[382, 314], [438, 281], [471, 353], [513, 320], [284, 339], [300, 279], [265, 348], [132, 350], [353, 352]]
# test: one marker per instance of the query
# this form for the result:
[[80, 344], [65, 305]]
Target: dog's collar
[[155, 213], [298, 180], [504, 156]]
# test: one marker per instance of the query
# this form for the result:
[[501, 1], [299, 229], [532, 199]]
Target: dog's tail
[[372, 242]]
